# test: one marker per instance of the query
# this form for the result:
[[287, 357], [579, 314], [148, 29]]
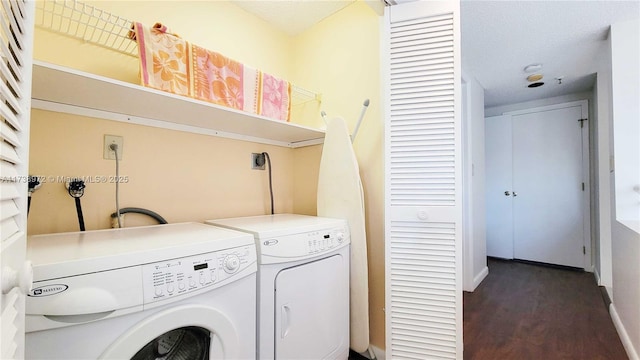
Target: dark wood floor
[[524, 311]]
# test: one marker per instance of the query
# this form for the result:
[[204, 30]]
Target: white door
[[312, 310], [16, 43], [537, 205], [499, 188], [423, 210], [548, 186]]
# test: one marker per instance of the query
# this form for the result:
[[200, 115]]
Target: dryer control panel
[[303, 245], [171, 278]]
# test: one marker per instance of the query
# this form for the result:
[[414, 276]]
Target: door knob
[[22, 279], [507, 193]]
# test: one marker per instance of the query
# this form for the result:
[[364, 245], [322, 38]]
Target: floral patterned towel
[[170, 63]]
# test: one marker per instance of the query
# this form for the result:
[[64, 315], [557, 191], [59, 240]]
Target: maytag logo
[[48, 290], [270, 242]]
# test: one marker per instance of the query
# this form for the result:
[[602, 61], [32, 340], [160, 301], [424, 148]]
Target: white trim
[[597, 276], [548, 108], [480, 277], [609, 291], [586, 194], [622, 332], [467, 200], [107, 115], [385, 77]]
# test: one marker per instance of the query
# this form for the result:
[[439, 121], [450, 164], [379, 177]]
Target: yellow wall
[[182, 176], [339, 57], [189, 177], [216, 25]]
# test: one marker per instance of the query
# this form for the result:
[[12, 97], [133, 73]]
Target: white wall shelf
[[61, 89]]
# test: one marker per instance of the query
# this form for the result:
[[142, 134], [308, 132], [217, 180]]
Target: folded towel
[[275, 98], [164, 60], [217, 78], [170, 63]]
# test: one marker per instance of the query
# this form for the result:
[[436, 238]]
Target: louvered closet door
[[423, 181], [16, 31]]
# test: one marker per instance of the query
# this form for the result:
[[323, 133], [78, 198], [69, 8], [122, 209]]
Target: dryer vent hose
[[142, 211]]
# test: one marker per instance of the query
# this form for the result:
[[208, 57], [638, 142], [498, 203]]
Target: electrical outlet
[[257, 161], [113, 139]]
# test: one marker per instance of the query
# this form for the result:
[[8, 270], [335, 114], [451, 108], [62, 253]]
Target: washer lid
[[267, 226], [68, 254]]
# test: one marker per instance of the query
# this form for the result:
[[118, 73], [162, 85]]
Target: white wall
[[625, 72], [625, 242], [474, 231]]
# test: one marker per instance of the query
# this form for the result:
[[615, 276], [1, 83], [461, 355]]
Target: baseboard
[[481, 275], [380, 355], [622, 332], [609, 291]]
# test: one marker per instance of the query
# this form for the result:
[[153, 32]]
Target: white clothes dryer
[[177, 291], [303, 285]]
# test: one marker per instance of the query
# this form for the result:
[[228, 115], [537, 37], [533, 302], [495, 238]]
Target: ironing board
[[340, 196]]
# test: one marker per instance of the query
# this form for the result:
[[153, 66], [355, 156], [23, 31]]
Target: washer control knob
[[181, 286], [340, 236], [170, 288], [231, 263], [158, 291]]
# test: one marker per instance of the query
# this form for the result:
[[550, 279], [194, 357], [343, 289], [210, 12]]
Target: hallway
[[524, 311]]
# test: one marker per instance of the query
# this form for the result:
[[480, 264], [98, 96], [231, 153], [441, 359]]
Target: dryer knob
[[340, 236], [231, 263]]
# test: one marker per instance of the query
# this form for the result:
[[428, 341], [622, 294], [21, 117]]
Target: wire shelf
[[301, 95], [101, 28], [88, 23]]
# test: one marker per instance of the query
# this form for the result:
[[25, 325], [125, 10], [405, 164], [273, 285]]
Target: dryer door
[[182, 332], [312, 310]]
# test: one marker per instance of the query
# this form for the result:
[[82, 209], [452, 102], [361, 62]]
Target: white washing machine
[[303, 285], [177, 291]]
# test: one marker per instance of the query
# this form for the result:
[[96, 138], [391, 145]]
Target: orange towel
[[164, 60], [217, 78], [170, 63]]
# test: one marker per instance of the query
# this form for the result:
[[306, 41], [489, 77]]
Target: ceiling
[[500, 38], [292, 16]]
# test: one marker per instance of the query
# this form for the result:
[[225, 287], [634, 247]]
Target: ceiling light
[[534, 77], [533, 67]]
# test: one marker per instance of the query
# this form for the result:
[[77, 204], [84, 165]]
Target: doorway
[[537, 185]]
